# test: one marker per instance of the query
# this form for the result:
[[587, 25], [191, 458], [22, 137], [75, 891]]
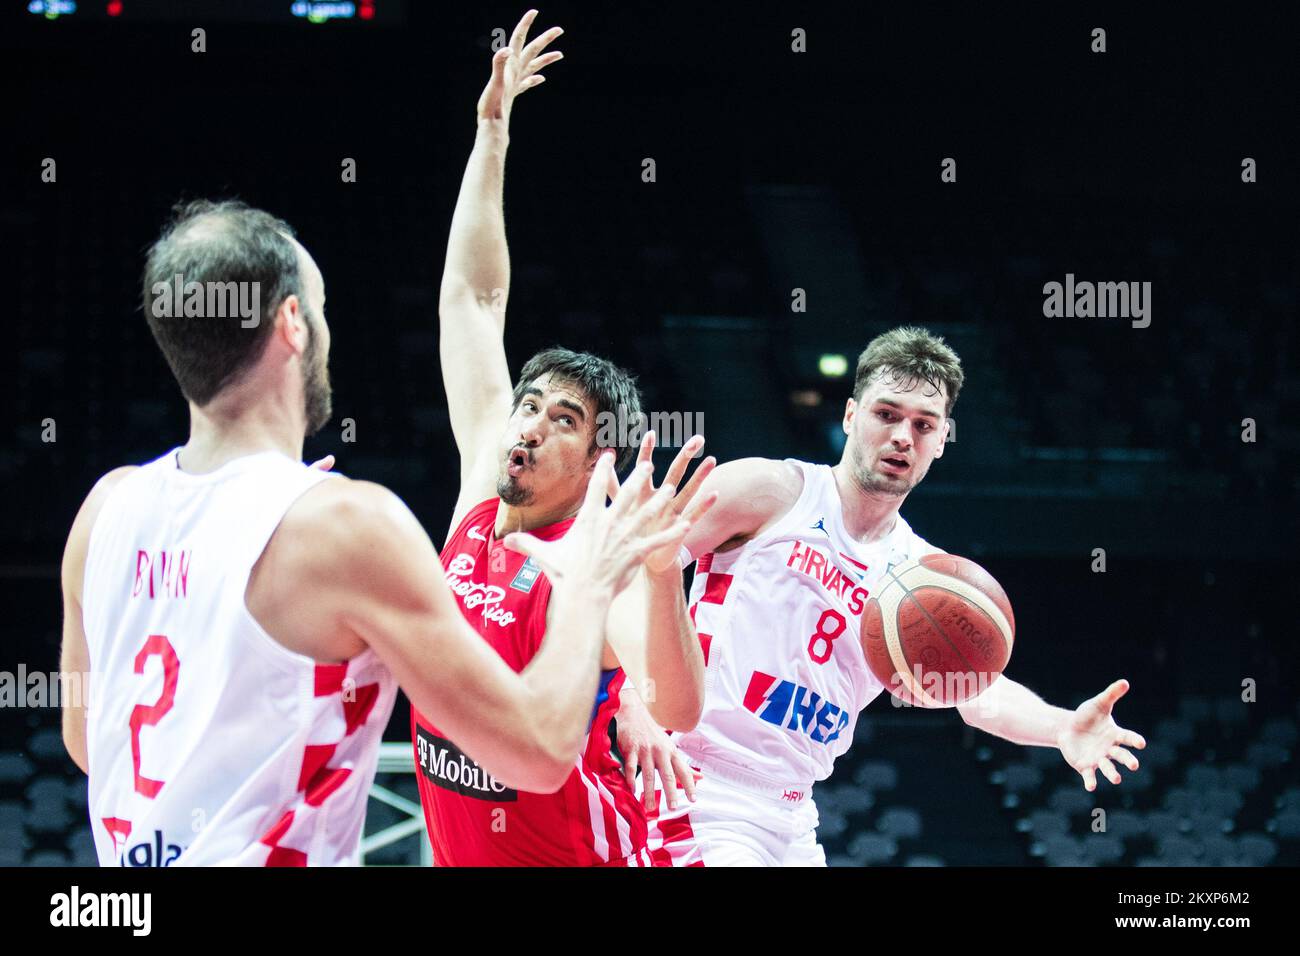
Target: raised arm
[[476, 275]]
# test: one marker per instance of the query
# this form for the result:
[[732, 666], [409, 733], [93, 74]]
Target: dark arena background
[[1132, 483]]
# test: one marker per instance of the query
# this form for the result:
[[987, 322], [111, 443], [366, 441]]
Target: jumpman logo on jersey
[[821, 526]]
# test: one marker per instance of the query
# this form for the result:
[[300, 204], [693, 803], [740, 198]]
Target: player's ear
[[291, 324], [850, 408], [943, 439]]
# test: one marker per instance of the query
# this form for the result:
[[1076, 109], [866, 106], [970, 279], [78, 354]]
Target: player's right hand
[[604, 547], [516, 69]]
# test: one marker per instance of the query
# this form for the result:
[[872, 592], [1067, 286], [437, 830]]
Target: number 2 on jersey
[[147, 715]]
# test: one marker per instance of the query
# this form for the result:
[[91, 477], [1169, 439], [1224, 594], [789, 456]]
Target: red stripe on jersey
[[705, 641], [314, 758], [279, 855], [715, 588], [356, 710], [329, 678]]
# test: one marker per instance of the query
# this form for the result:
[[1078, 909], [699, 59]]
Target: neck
[[527, 517], [868, 514], [223, 431]]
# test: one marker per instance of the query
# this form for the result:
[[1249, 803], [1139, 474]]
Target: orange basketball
[[938, 630]]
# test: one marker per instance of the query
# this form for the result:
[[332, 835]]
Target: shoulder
[[348, 515], [74, 553], [770, 477], [343, 539]]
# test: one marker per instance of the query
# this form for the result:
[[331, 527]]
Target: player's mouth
[[895, 464], [517, 462]]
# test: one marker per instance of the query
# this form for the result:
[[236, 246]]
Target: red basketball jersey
[[473, 820]]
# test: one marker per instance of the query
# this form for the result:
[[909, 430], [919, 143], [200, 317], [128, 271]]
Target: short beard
[[871, 481], [318, 396], [512, 493]]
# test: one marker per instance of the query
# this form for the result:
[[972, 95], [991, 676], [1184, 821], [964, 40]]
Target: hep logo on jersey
[[771, 699]]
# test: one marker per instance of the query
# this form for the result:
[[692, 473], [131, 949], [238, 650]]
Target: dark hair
[[609, 388], [218, 242], [912, 355]]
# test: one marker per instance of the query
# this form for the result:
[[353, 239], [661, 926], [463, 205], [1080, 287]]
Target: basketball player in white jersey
[[245, 621], [788, 557]]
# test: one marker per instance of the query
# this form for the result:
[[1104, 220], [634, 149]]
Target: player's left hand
[[323, 464], [645, 746], [665, 559], [1091, 739]]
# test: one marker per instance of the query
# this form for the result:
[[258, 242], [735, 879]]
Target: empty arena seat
[[47, 745], [1071, 799], [1286, 825], [876, 775], [1241, 777], [1018, 777], [1256, 849], [1062, 850], [1102, 849], [1266, 755], [1126, 824], [872, 848], [1280, 731], [901, 823], [14, 768], [1044, 823]]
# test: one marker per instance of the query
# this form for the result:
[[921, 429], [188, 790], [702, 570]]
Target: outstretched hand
[[665, 558], [516, 68], [1091, 739]]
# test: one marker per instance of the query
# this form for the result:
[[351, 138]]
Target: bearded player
[[788, 556], [526, 454]]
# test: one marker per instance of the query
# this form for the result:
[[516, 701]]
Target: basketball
[[938, 631]]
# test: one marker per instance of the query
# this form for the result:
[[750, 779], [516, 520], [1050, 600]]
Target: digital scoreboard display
[[385, 12]]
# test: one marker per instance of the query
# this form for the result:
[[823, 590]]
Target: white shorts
[[731, 824]]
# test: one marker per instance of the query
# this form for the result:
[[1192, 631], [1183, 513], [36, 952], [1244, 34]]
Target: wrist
[[495, 129]]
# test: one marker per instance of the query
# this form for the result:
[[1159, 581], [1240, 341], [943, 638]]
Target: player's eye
[[567, 420], [926, 426]]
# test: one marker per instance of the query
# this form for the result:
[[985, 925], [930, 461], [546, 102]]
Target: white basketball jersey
[[785, 674], [209, 742]]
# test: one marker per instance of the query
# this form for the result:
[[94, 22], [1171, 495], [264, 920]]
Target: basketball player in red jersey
[[226, 592], [526, 451], [787, 557]]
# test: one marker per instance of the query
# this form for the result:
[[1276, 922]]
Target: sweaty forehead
[[912, 394]]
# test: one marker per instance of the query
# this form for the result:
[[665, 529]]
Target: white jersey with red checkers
[[779, 619], [210, 742]]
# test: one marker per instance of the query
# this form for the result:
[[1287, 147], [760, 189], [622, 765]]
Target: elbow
[[548, 775], [681, 715]]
